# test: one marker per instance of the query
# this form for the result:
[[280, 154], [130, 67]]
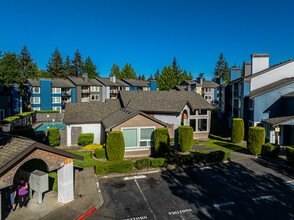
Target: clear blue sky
[[149, 33]]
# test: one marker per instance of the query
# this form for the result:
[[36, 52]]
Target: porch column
[[282, 135], [65, 178]]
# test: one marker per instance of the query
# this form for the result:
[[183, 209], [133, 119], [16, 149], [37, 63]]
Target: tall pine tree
[[10, 69], [26, 63], [167, 79], [157, 75], [222, 69], [190, 77], [67, 66], [77, 64], [150, 77], [177, 71], [128, 72], [115, 71], [90, 68], [143, 77], [55, 66]]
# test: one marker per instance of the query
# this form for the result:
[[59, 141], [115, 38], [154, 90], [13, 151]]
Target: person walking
[[10, 195], [22, 193]]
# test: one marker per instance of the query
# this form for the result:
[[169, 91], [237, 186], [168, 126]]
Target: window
[[202, 112], [202, 124], [56, 90], [35, 100], [56, 108], [193, 124], [94, 97], [36, 109], [130, 137], [207, 97], [56, 99], [145, 89], [207, 89], [146, 137], [36, 89], [193, 112], [94, 88]]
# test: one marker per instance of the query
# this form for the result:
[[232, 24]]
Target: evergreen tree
[[190, 77], [34, 71], [150, 77], [139, 77], [143, 77], [67, 66], [10, 69], [128, 72], [77, 64], [157, 75], [26, 63], [182, 77], [177, 71], [55, 66], [202, 75], [115, 71], [90, 68], [222, 69], [167, 79]]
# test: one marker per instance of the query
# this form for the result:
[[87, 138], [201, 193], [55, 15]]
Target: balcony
[[86, 99], [114, 91], [65, 94], [85, 91]]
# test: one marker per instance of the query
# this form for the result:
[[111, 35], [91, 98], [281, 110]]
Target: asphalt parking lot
[[251, 189]]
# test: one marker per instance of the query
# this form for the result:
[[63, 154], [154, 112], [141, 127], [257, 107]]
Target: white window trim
[[54, 90], [36, 108], [202, 115], [197, 123], [33, 100], [136, 148], [33, 90], [54, 100], [56, 108], [95, 100]]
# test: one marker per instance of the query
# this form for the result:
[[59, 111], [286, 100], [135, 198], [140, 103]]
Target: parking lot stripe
[[262, 197], [223, 204], [145, 199], [134, 177]]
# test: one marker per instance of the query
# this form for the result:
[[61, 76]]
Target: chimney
[[259, 62], [85, 77], [112, 78], [247, 69], [235, 73], [200, 80], [188, 87], [153, 85]]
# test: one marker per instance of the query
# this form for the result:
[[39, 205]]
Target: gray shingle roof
[[279, 120], [192, 82], [289, 95], [162, 101], [106, 81], [121, 83], [271, 87], [180, 88], [61, 83], [80, 82], [90, 112], [136, 82], [210, 84]]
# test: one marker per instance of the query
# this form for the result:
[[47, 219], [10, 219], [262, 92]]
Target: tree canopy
[[222, 69], [90, 68]]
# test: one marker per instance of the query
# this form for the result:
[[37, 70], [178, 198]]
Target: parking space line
[[290, 183], [223, 204], [145, 199], [262, 197], [136, 218], [134, 177]]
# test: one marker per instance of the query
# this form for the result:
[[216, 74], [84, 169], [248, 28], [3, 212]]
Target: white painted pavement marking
[[290, 183], [145, 199], [179, 212], [134, 177], [262, 197], [136, 218], [223, 204]]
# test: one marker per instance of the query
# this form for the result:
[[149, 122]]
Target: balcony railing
[[114, 91], [66, 93]]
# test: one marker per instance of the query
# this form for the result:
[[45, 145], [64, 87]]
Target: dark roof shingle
[[279, 120], [136, 82], [80, 82]]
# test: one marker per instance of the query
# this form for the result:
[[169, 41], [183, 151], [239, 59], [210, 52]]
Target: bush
[[185, 138], [237, 130], [100, 153], [161, 142], [270, 150], [92, 147], [85, 139], [255, 140], [115, 146], [121, 166], [26, 114], [53, 137], [48, 111], [158, 162], [142, 163], [25, 132], [189, 159], [218, 156], [290, 155], [10, 119]]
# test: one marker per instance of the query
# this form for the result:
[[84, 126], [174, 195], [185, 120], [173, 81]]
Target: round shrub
[[100, 153], [270, 150], [185, 138], [142, 163], [85, 139], [237, 130], [290, 155], [255, 140], [115, 146], [53, 137], [161, 142], [158, 162], [92, 147]]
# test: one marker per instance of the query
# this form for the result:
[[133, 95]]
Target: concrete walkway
[[86, 196]]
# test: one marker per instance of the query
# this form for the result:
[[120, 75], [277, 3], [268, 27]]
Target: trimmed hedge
[[25, 132], [121, 166], [237, 130], [255, 140], [158, 162], [290, 155], [53, 137], [10, 119], [92, 147], [189, 159], [218, 156], [115, 146], [26, 114], [85, 139], [142, 163], [270, 150], [161, 142], [185, 138], [48, 111], [100, 153]]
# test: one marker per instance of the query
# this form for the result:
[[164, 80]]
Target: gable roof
[[55, 82], [210, 84], [80, 82], [162, 101], [124, 114], [14, 148], [279, 120], [89, 112], [136, 82], [271, 87]]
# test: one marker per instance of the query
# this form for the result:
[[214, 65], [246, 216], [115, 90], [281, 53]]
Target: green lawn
[[224, 145], [88, 160]]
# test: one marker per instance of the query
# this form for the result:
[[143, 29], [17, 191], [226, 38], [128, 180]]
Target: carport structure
[[16, 151]]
